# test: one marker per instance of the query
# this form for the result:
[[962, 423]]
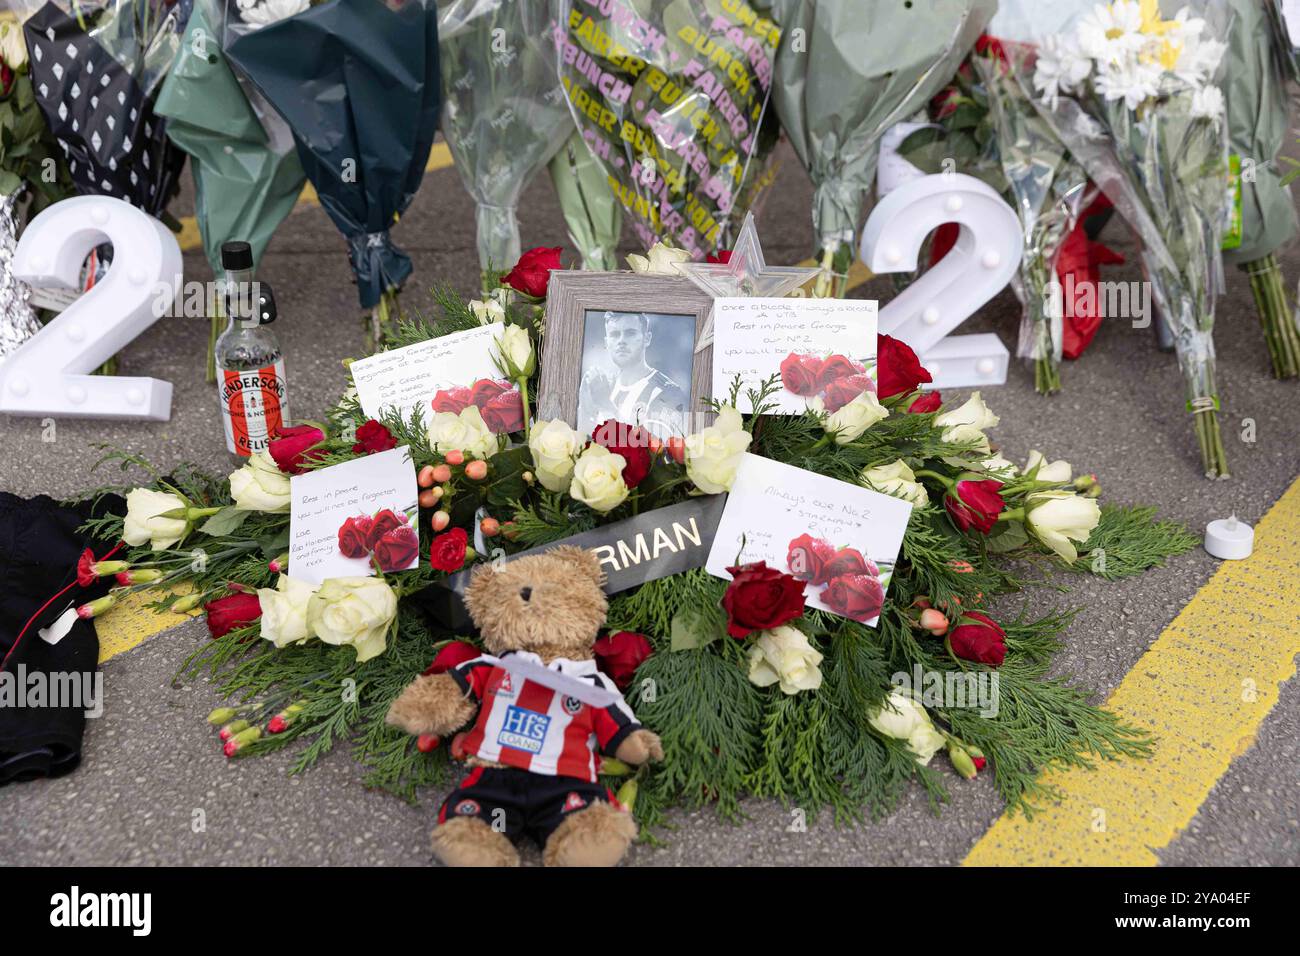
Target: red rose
[[719, 258], [975, 503], [86, 575], [847, 561], [802, 374], [978, 638], [453, 655], [856, 596], [373, 437], [844, 390], [504, 414], [6, 79], [929, 402], [231, 612], [486, 389], [837, 367], [454, 400], [532, 273], [385, 521], [290, 447], [397, 549], [898, 370], [979, 762], [807, 557], [354, 536], [630, 441], [760, 598], [619, 655], [447, 552]]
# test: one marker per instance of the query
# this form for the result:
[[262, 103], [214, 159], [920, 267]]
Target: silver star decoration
[[747, 275]]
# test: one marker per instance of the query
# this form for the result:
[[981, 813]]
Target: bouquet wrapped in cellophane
[[1136, 100], [1048, 189]]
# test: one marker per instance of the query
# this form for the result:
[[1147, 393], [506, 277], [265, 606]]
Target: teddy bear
[[537, 709]]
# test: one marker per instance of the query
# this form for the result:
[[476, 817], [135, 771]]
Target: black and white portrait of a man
[[636, 368]]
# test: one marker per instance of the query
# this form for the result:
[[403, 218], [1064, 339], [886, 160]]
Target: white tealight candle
[[1229, 539]]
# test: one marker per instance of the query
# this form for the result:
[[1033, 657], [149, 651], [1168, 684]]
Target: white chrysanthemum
[[1112, 34], [1061, 67], [1132, 81], [1208, 103]]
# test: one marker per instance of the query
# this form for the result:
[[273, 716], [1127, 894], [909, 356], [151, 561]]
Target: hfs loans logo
[[133, 910]]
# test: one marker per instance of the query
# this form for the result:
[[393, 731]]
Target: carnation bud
[[233, 728], [281, 721], [221, 715], [187, 603], [961, 761], [441, 473], [454, 457], [279, 565], [241, 740], [627, 795], [96, 607], [1085, 483], [427, 743], [613, 767], [104, 568], [476, 470], [141, 576]]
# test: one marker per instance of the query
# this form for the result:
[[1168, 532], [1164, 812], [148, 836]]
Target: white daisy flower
[[1208, 103], [1061, 67], [1112, 34]]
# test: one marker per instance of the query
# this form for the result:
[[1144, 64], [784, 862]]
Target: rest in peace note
[[842, 540], [411, 376], [355, 519], [820, 349]]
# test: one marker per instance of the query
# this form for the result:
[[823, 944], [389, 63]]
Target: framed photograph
[[622, 345]]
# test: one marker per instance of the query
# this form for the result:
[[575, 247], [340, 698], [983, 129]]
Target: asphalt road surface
[[150, 762]]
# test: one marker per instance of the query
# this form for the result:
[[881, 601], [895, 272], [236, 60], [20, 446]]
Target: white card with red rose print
[[842, 540], [355, 519], [444, 374], [819, 348]]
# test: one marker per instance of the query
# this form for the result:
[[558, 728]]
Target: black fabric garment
[[39, 549]]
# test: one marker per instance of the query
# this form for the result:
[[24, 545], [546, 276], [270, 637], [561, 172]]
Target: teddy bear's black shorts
[[520, 803]]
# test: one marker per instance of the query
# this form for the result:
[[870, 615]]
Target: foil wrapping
[[18, 322]]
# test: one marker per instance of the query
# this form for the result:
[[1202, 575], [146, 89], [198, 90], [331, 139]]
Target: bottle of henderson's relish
[[250, 366]]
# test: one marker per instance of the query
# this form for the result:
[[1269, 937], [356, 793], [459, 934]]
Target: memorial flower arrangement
[[753, 691]]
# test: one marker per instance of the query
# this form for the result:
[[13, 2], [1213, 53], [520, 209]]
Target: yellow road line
[[190, 240], [1203, 689], [130, 623]]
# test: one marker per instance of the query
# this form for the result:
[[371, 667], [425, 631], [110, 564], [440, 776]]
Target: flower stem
[[1281, 334], [522, 382]]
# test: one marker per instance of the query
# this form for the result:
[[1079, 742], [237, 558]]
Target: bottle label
[[254, 407]]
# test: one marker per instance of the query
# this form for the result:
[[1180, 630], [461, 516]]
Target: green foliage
[[1130, 540], [27, 150]]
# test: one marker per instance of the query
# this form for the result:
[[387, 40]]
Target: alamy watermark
[[81, 690], [953, 690]]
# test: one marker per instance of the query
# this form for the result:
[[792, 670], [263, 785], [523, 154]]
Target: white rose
[[354, 611], [261, 486], [967, 423], [1057, 517], [784, 656], [1057, 472], [515, 352], [554, 446], [13, 50], [902, 718], [856, 417], [897, 481], [997, 466], [659, 260], [713, 455], [144, 508], [284, 610], [487, 312], [598, 479], [464, 430]]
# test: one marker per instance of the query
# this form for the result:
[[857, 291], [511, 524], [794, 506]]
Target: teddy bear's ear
[[581, 560], [480, 584]]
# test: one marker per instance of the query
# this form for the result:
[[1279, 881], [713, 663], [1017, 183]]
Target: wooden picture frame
[[571, 295]]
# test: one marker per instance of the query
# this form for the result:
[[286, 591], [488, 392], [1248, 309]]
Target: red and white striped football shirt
[[524, 724]]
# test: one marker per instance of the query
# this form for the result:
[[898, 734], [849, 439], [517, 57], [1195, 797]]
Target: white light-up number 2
[[979, 266], [49, 373]]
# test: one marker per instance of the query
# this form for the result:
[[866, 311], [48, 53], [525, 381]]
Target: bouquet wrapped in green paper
[[846, 73]]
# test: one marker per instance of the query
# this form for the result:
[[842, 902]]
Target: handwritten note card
[[820, 348], [411, 376], [840, 539], [349, 519]]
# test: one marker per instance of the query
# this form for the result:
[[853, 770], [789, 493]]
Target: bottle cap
[[236, 256], [1229, 539]]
